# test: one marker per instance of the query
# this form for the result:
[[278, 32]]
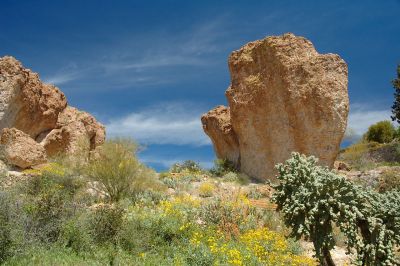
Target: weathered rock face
[[217, 125], [285, 96], [75, 131], [20, 149], [25, 102], [40, 110]]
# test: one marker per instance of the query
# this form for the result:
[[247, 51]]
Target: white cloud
[[177, 124], [61, 78], [361, 117], [68, 73]]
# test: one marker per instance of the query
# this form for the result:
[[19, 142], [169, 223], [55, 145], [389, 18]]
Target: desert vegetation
[[114, 210], [314, 199]]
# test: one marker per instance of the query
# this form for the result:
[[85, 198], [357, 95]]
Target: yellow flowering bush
[[50, 168], [206, 189], [254, 247]]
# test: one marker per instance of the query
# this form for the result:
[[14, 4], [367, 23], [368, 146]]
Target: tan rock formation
[[285, 96], [40, 110], [75, 131], [20, 149], [217, 125], [25, 102]]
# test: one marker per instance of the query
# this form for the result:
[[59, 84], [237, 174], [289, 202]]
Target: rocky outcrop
[[285, 96], [217, 125], [25, 102], [40, 110], [19, 149], [75, 131]]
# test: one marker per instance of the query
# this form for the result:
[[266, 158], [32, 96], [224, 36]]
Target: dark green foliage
[[222, 167], [5, 223], [381, 132], [105, 223], [75, 235], [396, 103], [49, 203], [314, 199]]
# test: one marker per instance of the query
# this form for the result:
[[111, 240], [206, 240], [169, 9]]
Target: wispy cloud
[[153, 58], [189, 48], [61, 78], [361, 117], [177, 124], [64, 75]]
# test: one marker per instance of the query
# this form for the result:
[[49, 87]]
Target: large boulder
[[217, 125], [40, 110], [19, 149], [76, 131], [285, 96], [25, 102]]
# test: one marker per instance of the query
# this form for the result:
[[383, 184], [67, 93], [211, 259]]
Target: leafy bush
[[222, 167], [49, 203], [75, 235], [314, 199], [381, 132], [5, 223], [105, 222], [117, 169]]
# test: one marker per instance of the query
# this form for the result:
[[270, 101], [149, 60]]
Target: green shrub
[[48, 204], [105, 222], [222, 167], [55, 255], [117, 169], [75, 235], [381, 132], [5, 227]]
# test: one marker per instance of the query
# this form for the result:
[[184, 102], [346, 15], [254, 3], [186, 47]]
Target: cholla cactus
[[313, 198]]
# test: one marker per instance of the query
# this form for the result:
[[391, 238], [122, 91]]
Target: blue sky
[[149, 69]]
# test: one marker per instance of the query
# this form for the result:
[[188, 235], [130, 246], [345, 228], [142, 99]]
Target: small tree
[[382, 132], [396, 103], [115, 166]]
